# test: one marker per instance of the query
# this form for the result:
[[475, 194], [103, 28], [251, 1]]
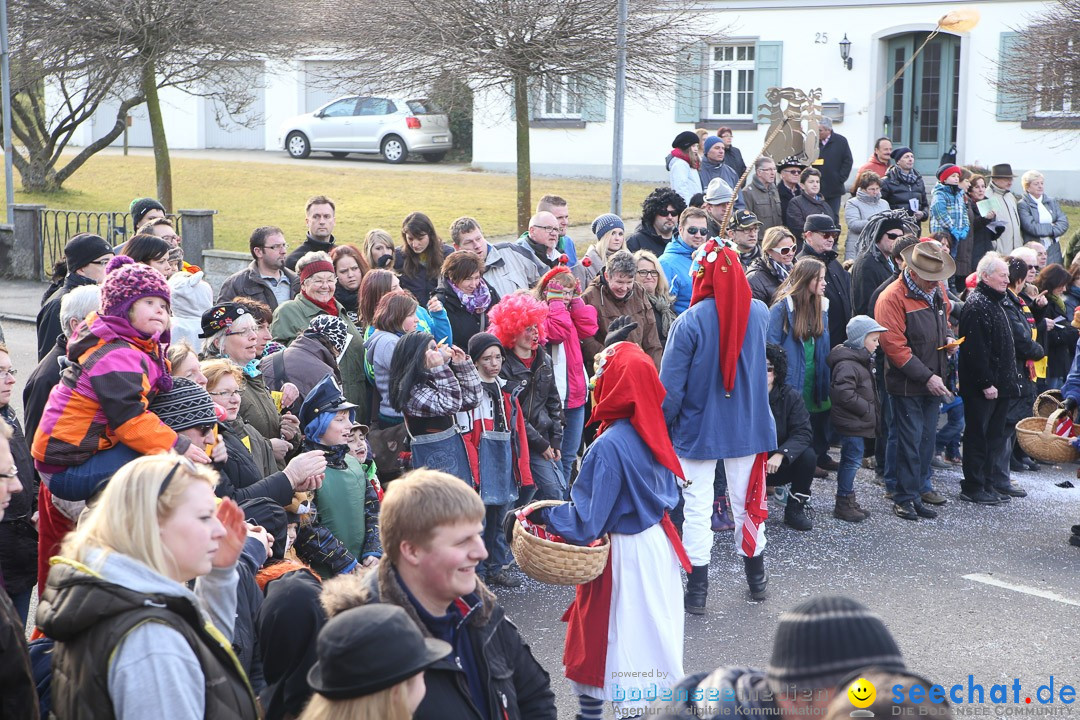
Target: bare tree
[[92, 51], [1040, 78], [513, 45]]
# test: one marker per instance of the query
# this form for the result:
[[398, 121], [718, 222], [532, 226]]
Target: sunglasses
[[829, 235], [697, 231], [667, 213], [895, 235], [784, 250], [180, 462]]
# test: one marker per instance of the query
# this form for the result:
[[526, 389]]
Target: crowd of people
[[220, 497]]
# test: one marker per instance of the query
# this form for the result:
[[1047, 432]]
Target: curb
[[14, 317]]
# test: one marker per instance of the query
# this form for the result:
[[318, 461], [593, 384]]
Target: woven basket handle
[[1052, 422], [537, 504]]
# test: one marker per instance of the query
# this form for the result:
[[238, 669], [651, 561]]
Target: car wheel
[[435, 157], [338, 155], [394, 150], [297, 145]]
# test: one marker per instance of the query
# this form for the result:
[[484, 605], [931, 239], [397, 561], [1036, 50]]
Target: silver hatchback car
[[391, 127]]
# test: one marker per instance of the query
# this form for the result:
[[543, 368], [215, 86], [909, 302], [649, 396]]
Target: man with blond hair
[[432, 526]]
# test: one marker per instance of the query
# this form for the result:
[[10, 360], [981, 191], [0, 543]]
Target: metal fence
[[59, 226]]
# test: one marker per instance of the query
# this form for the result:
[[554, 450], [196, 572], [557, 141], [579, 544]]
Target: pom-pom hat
[[126, 282]]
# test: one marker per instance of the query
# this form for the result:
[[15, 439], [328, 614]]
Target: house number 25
[[821, 38]]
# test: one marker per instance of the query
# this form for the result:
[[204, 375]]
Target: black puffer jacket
[[535, 389], [240, 477], [793, 432], [18, 538], [463, 323], [645, 238], [988, 357], [763, 280], [869, 271], [899, 193], [801, 207], [855, 406], [1060, 343], [421, 283]]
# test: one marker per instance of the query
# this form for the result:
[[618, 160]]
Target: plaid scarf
[[919, 292]]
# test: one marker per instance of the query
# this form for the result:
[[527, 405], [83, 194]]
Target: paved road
[[918, 576], [369, 162]]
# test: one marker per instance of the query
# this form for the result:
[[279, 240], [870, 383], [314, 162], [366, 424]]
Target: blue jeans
[[574, 424], [948, 437], [915, 425], [21, 601], [495, 539], [547, 474], [851, 453], [81, 482]]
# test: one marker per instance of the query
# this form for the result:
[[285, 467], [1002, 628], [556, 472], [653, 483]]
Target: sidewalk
[[20, 300]]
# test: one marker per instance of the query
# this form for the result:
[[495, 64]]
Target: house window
[[731, 81], [560, 98], [1057, 92]]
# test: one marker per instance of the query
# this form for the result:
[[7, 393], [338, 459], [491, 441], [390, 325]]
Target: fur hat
[[126, 282], [330, 328]]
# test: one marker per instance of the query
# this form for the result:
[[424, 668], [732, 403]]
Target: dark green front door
[[921, 107]]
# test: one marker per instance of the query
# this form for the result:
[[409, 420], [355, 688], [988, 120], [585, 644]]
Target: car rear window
[[423, 107]]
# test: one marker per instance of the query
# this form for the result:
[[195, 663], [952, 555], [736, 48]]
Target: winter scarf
[[330, 307], [689, 159], [477, 301]]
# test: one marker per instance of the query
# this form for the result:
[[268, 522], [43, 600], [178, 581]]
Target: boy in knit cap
[[96, 419], [856, 409], [818, 643]]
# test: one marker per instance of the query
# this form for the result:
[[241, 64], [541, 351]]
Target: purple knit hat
[[127, 281]]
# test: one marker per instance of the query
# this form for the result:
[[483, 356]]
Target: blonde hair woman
[[131, 639], [378, 248], [650, 275], [352, 683]]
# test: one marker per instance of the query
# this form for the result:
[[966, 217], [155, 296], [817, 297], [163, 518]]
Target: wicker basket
[[557, 563], [1037, 438], [1047, 403]]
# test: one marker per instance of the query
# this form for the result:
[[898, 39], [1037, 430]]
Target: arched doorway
[[921, 108]]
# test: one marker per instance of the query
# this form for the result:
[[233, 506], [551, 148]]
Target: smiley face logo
[[861, 693]]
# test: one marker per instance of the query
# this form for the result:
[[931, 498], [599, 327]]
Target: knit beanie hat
[[141, 206], [186, 405], [710, 141], [480, 342], [900, 152], [821, 640], [605, 223], [859, 327], [948, 170], [84, 249], [126, 282]]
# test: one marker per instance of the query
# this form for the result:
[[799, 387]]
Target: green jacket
[[292, 317]]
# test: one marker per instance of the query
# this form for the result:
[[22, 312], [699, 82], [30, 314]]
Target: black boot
[[697, 590], [795, 516], [757, 577]]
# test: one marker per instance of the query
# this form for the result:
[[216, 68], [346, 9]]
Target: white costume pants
[[698, 505]]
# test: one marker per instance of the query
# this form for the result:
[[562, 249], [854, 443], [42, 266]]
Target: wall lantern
[[845, 52]]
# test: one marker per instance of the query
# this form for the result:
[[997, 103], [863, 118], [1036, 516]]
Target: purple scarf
[[477, 302]]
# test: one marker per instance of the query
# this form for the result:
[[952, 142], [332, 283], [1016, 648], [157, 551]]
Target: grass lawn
[[249, 194]]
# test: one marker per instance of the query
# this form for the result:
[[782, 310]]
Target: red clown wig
[[511, 315]]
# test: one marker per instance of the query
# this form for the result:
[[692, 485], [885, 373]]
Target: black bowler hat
[[347, 666], [820, 224]]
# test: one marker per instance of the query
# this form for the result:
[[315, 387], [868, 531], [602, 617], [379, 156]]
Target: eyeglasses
[[667, 213], [648, 273], [322, 283], [10, 372], [703, 232], [252, 331], [282, 246], [225, 393], [13, 475], [784, 250], [548, 228], [102, 263]]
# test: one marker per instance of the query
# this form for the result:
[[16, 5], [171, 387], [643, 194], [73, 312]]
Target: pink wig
[[511, 315]]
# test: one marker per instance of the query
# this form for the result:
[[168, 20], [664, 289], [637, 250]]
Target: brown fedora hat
[[929, 260], [1004, 170]]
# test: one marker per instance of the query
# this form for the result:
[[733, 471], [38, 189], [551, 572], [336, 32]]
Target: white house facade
[[946, 96]]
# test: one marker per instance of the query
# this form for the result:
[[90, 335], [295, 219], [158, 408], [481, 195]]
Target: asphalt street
[[991, 592]]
